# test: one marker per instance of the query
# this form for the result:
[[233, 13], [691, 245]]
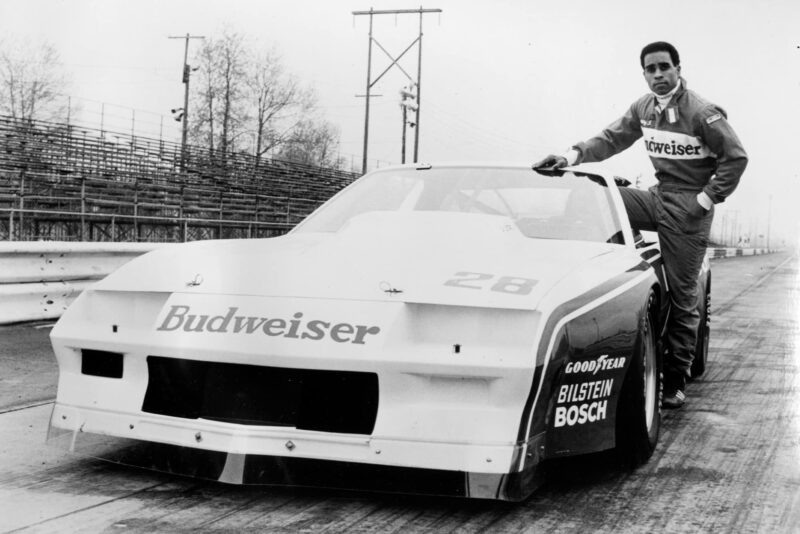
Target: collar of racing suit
[[663, 101]]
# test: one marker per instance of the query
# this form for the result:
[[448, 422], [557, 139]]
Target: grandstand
[[60, 182]]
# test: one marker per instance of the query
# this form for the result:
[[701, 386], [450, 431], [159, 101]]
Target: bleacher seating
[[62, 182]]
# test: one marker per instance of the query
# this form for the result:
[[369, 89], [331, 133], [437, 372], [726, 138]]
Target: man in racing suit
[[698, 161]]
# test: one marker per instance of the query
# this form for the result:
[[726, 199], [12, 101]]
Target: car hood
[[418, 257]]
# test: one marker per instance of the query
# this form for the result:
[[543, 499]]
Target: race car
[[444, 328]]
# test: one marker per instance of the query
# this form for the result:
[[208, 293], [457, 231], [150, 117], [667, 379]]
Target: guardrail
[[715, 253], [39, 280]]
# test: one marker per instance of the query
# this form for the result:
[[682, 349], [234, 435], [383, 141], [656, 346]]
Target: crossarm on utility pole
[[370, 81]]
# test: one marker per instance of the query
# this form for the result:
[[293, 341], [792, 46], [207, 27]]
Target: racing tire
[[639, 409], [703, 333]]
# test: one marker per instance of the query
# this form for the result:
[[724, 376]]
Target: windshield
[[549, 207]]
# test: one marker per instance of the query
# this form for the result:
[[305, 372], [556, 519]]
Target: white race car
[[443, 329]]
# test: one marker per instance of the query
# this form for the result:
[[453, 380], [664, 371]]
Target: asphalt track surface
[[729, 461]]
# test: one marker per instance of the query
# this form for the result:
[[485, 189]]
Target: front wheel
[[639, 412]]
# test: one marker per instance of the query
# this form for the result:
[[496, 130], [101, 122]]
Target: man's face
[[660, 73]]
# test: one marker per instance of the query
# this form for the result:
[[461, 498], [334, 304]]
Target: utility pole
[[403, 143], [419, 89], [185, 112], [371, 82]]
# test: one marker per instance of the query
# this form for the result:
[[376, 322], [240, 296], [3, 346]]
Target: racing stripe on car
[[557, 319]]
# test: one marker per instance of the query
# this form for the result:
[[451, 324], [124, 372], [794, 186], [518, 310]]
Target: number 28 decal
[[503, 284]]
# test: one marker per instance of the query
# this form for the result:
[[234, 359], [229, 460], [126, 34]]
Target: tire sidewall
[[635, 442]]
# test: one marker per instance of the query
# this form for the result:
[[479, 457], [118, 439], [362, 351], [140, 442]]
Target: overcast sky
[[501, 80]]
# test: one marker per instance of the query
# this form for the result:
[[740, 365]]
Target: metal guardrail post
[[136, 210], [83, 208], [288, 203], [21, 226], [254, 218], [219, 227], [180, 228]]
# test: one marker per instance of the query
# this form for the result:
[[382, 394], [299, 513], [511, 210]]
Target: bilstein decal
[[298, 327]]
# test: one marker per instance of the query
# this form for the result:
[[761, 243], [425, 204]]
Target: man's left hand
[[550, 163]]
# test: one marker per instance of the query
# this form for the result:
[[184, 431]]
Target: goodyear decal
[[592, 367]]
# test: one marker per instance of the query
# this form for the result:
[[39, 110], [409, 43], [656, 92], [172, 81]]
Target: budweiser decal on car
[[248, 319]]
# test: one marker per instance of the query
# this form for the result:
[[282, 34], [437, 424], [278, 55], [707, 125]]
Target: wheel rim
[[650, 380]]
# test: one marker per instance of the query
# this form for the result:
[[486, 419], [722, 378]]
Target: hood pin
[[386, 287]]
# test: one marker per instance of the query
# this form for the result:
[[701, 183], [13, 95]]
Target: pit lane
[[728, 462]]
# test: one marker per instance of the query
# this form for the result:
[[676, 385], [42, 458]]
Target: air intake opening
[[101, 363], [307, 399]]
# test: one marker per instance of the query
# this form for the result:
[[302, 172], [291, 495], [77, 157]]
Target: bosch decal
[[179, 317], [580, 414]]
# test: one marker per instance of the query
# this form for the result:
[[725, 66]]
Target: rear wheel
[[703, 333], [639, 409]]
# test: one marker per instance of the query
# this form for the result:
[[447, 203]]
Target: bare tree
[[201, 125], [279, 102], [233, 70], [220, 101], [312, 143], [31, 81], [249, 99]]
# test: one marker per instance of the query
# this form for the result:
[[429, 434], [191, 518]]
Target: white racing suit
[[693, 149]]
